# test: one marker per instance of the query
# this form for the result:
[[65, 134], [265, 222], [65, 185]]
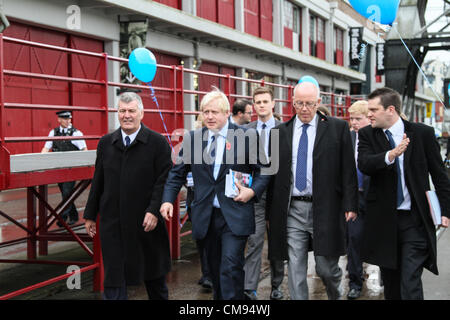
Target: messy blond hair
[[360, 106], [224, 104]]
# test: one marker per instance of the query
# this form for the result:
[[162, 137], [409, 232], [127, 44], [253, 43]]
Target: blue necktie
[[127, 141], [212, 152], [400, 197], [360, 180], [302, 155]]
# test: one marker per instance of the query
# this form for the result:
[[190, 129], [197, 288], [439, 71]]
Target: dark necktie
[[127, 141], [302, 155], [360, 175], [400, 197]]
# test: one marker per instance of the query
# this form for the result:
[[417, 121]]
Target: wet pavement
[[182, 280]]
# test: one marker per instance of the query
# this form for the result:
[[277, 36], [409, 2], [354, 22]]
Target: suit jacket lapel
[[322, 126], [117, 140], [410, 135], [382, 140]]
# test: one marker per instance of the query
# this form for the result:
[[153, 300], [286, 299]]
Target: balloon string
[[418, 66], [160, 114]]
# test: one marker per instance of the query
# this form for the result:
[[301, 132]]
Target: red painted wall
[[220, 11], [171, 3], [258, 18], [23, 122]]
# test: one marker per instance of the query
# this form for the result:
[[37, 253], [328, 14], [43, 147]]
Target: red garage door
[[258, 18], [221, 11], [23, 123], [171, 3], [165, 81]]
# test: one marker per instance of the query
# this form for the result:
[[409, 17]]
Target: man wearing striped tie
[[358, 119], [313, 193], [399, 234]]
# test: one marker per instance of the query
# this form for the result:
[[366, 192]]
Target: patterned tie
[[212, 153], [400, 197], [127, 141], [302, 155]]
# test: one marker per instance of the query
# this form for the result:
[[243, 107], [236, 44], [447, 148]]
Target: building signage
[[380, 59], [357, 47]]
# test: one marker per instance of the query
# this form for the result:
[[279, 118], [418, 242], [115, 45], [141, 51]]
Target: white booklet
[[435, 208], [231, 190]]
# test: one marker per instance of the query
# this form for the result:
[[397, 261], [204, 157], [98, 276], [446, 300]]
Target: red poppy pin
[[228, 145]]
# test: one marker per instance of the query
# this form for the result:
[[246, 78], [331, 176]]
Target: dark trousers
[[71, 211], [405, 283], [156, 290], [203, 259], [354, 263], [225, 254]]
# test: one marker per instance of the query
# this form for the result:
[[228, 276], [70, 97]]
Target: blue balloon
[[381, 11], [142, 64], [309, 79]]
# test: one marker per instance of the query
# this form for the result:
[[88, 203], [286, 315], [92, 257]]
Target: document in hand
[[435, 208], [231, 190]]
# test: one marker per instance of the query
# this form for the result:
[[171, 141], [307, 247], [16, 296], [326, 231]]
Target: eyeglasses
[[308, 104], [250, 113]]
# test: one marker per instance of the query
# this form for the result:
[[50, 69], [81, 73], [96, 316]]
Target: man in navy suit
[[223, 222], [358, 119]]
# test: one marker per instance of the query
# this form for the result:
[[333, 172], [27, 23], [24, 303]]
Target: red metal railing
[[37, 182]]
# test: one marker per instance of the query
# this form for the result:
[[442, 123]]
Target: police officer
[[65, 129]]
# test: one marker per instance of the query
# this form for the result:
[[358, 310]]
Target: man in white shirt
[[66, 129], [312, 195], [399, 234]]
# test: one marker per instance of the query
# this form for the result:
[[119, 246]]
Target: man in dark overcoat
[[399, 234], [313, 193], [130, 171]]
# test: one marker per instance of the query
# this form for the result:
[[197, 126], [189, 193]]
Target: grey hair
[[128, 97]]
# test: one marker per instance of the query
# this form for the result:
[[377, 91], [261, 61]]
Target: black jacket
[[335, 188], [127, 183], [421, 158]]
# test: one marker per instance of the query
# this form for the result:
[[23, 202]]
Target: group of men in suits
[[308, 202]]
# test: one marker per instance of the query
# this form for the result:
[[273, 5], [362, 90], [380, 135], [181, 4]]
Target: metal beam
[[431, 23]]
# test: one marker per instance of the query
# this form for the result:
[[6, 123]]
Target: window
[[338, 46]]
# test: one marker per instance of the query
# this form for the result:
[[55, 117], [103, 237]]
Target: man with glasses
[[313, 193], [242, 112]]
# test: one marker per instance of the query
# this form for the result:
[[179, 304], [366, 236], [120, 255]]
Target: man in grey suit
[[263, 102], [313, 193]]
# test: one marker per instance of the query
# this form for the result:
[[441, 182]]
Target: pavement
[[182, 280]]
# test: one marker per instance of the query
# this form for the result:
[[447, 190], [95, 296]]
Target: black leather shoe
[[276, 294], [353, 294], [207, 284]]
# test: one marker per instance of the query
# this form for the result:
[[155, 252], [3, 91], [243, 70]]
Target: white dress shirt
[[80, 144], [397, 131], [220, 149], [311, 132], [269, 125], [132, 136]]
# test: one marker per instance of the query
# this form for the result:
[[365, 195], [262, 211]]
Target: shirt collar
[[269, 123], [312, 123], [132, 136], [398, 128], [223, 132]]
